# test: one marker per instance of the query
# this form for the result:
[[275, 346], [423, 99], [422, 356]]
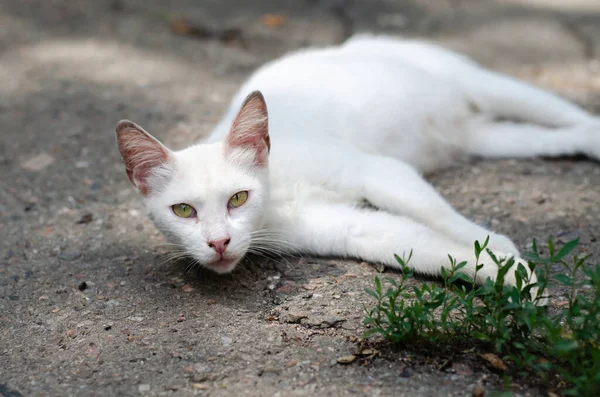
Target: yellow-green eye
[[238, 199], [183, 210]]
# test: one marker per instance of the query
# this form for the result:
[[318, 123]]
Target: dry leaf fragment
[[185, 27], [274, 21], [494, 361], [478, 391], [346, 359], [369, 352]]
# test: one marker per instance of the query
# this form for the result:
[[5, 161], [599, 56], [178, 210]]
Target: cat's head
[[208, 198]]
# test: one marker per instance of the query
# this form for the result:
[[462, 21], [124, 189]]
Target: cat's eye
[[238, 199], [183, 210]]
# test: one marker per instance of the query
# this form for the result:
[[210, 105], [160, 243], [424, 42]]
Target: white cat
[[347, 125]]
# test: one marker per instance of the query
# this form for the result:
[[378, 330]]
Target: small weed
[[562, 347]]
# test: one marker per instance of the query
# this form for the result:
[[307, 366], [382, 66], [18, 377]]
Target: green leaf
[[460, 265], [418, 293], [400, 260], [477, 249], [563, 279], [452, 260], [460, 276], [551, 246], [392, 281], [378, 285], [372, 293], [564, 346], [444, 273], [565, 250]]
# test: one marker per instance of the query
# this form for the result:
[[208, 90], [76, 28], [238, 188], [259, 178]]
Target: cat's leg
[[508, 139], [503, 96], [375, 236], [395, 186]]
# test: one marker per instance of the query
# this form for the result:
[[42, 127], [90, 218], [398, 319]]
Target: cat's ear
[[147, 161], [250, 129]]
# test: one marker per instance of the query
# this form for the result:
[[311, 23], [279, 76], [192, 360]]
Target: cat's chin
[[223, 265]]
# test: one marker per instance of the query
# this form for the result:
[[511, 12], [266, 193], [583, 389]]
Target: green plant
[[502, 317]]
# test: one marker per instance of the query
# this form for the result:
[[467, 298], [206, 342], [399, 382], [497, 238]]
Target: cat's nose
[[219, 245]]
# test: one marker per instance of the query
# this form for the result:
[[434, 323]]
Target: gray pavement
[[88, 303]]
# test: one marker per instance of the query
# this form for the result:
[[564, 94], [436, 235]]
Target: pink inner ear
[[141, 154], [250, 129]]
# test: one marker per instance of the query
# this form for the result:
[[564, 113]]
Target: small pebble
[[69, 255], [38, 163], [144, 387], [85, 219], [406, 373]]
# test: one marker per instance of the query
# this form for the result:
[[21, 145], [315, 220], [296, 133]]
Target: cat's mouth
[[223, 264]]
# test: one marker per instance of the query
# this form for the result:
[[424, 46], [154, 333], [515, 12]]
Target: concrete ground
[[88, 305]]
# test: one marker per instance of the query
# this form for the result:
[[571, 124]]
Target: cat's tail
[[505, 97]]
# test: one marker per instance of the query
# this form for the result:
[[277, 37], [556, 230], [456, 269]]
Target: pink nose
[[219, 245]]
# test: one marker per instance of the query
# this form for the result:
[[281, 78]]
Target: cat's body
[[348, 125]]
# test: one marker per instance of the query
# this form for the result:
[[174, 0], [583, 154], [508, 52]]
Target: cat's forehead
[[203, 169]]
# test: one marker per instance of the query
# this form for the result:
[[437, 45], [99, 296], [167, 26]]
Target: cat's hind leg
[[521, 140], [501, 96], [328, 229]]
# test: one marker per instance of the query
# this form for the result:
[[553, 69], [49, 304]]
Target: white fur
[[357, 123]]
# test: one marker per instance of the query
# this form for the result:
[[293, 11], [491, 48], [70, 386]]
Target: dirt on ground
[[90, 305]]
